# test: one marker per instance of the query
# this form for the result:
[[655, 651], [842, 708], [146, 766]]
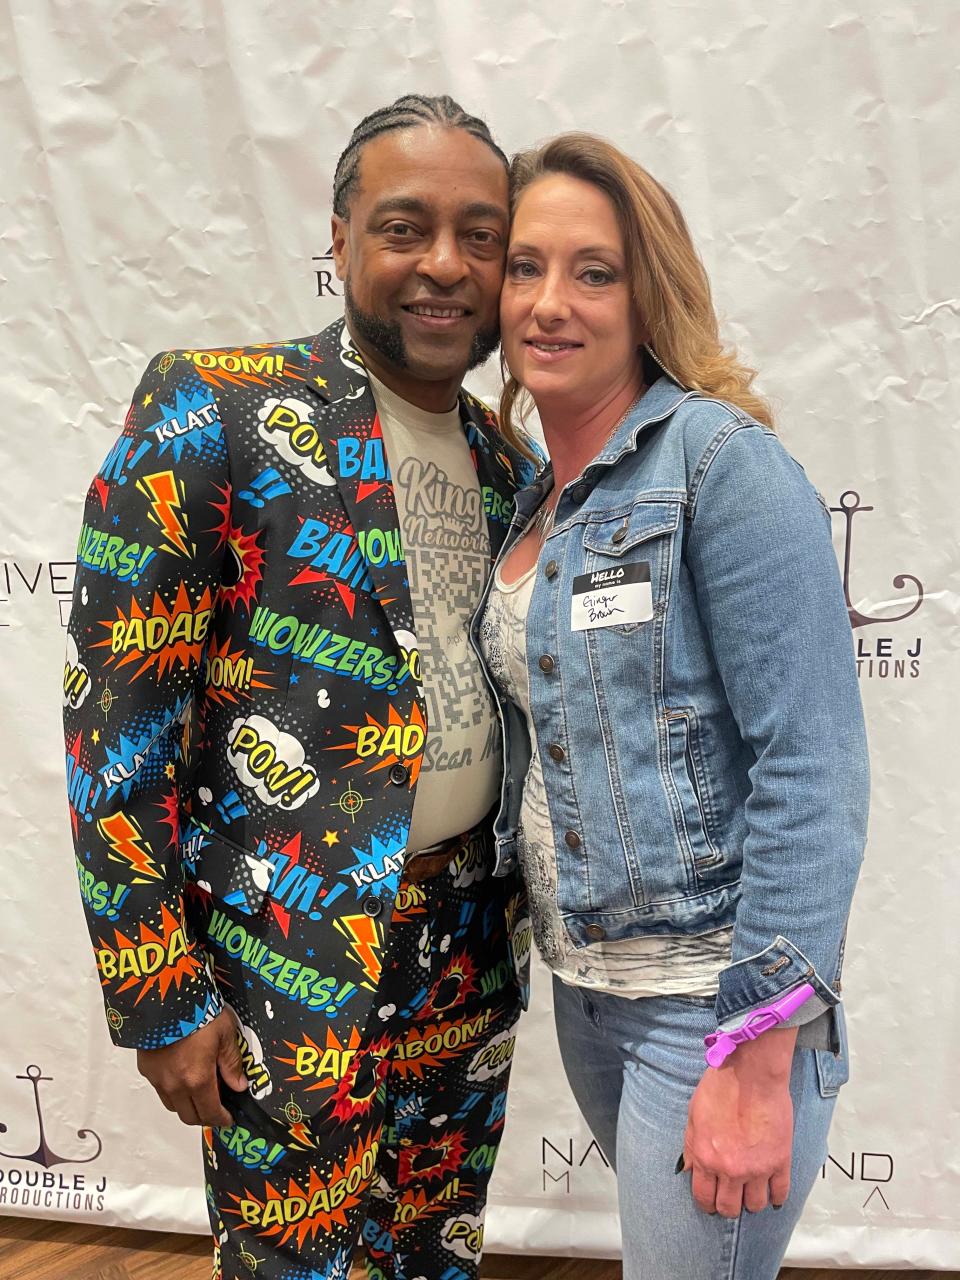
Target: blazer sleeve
[[149, 564]]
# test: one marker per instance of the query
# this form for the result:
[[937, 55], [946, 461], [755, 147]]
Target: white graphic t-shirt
[[447, 549]]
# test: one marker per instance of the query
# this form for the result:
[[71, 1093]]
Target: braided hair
[[407, 112]]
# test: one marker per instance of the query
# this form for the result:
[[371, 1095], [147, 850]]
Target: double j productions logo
[[40, 1187], [881, 656]]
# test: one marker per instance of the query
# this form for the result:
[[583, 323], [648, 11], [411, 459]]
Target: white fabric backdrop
[[166, 183]]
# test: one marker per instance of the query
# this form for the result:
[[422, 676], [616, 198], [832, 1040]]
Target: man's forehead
[[433, 167]]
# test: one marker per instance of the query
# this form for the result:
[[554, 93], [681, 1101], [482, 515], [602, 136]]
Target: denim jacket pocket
[[616, 539], [696, 819], [231, 874]]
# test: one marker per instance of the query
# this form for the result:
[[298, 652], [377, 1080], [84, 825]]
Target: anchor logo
[[44, 1153], [848, 508]]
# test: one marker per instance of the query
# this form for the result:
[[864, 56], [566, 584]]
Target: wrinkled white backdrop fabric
[[166, 177]]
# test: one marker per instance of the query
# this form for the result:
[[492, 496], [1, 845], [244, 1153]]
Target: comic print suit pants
[[405, 1143]]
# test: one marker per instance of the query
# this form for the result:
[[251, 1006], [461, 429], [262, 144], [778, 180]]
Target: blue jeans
[[633, 1066]]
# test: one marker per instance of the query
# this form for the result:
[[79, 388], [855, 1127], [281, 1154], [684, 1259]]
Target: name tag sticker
[[612, 597]]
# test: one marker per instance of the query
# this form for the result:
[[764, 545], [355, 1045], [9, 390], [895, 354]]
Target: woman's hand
[[739, 1136]]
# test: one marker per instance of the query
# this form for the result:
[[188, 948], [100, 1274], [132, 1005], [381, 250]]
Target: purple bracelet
[[720, 1044]]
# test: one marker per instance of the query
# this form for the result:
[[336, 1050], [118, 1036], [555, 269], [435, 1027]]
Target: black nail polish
[[776, 1206], [679, 1168]]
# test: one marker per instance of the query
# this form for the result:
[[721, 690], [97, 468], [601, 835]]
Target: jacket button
[[546, 663], [556, 752], [372, 905], [619, 534], [399, 774], [581, 493], [573, 840], [550, 569], [596, 932]]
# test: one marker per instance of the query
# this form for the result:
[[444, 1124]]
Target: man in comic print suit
[[266, 668]]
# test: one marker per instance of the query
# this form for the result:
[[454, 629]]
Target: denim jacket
[[705, 760]]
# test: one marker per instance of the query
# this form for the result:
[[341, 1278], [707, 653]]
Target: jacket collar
[[658, 402]]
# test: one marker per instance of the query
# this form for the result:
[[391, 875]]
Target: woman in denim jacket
[[686, 768]]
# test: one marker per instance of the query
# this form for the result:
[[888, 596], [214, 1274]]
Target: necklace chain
[[546, 513]]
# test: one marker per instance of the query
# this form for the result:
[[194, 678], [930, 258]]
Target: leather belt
[[429, 862]]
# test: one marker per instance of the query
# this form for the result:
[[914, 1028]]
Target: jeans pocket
[[833, 1065]]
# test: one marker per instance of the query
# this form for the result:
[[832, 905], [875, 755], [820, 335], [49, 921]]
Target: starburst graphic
[[135, 759], [309, 576], [316, 1207], [242, 366], [446, 1040], [164, 638], [356, 1093], [399, 741], [169, 804], [455, 985], [413, 1206], [327, 1061], [351, 1077], [190, 422], [382, 861], [430, 1161], [368, 487], [243, 557], [160, 959], [231, 674]]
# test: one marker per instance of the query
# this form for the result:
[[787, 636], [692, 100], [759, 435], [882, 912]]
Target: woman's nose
[[551, 303]]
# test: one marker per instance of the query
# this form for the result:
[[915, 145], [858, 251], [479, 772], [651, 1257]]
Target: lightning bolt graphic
[[165, 499], [124, 837], [365, 940]]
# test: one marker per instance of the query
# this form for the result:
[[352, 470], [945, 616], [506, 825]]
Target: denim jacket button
[[556, 752], [550, 569], [573, 840], [619, 534], [581, 493], [596, 932], [546, 663]]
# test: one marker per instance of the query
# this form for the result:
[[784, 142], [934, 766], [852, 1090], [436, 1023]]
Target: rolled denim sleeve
[[769, 593]]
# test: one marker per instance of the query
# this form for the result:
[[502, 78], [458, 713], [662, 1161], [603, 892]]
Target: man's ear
[[339, 232]]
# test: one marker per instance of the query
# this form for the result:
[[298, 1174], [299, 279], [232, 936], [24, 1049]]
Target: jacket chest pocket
[[232, 874], [627, 565]]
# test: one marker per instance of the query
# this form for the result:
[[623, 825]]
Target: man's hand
[[739, 1137], [185, 1074]]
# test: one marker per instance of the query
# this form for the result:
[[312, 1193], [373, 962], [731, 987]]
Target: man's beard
[[386, 337]]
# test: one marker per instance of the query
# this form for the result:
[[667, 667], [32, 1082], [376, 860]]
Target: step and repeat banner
[[166, 183]]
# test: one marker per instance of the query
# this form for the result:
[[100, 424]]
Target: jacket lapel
[[350, 430]]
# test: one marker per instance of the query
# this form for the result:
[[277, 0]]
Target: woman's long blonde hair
[[670, 287]]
